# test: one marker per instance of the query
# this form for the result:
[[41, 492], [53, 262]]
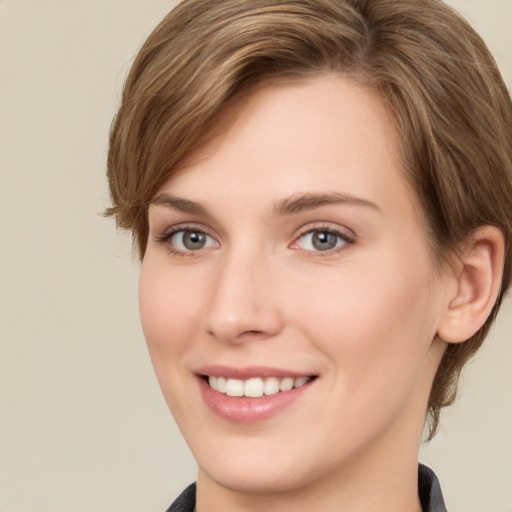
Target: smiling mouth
[[255, 387]]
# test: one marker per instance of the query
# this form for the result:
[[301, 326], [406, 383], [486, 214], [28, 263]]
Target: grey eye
[[323, 241], [318, 240], [193, 241], [189, 240]]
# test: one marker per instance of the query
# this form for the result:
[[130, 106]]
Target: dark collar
[[186, 501], [429, 490]]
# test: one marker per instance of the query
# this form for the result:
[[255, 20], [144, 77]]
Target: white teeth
[[234, 387], [271, 386], [286, 384], [221, 384], [299, 382], [255, 387]]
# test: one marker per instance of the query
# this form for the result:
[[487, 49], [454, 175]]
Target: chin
[[256, 479], [260, 468]]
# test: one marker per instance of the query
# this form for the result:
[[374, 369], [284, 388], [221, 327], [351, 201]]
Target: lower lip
[[246, 409]]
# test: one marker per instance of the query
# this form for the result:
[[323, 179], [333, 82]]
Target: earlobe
[[478, 281]]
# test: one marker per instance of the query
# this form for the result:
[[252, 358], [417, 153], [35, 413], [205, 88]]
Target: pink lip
[[247, 372], [243, 409]]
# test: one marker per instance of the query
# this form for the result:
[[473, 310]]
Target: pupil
[[323, 241], [193, 240]]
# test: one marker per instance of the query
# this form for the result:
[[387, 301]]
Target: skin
[[362, 317]]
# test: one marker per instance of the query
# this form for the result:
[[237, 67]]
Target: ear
[[477, 281]]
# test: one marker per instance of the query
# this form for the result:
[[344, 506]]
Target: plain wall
[[83, 426]]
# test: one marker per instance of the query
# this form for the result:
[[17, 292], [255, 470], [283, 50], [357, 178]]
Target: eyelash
[[345, 239], [166, 237]]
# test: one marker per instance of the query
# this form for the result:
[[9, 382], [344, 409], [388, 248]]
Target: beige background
[[82, 424]]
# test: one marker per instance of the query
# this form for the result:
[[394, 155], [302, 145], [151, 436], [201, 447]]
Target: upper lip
[[248, 372]]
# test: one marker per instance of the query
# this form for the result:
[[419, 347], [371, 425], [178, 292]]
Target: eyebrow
[[303, 202], [180, 204], [292, 205]]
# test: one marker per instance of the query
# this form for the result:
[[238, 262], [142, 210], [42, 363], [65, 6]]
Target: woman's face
[[289, 254]]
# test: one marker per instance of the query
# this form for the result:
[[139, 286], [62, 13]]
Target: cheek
[[167, 312], [374, 321]]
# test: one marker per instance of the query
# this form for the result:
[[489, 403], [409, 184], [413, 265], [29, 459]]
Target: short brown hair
[[452, 111]]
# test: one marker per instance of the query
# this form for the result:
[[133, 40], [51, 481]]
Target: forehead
[[321, 106], [322, 133]]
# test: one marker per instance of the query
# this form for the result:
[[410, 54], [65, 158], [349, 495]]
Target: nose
[[244, 303]]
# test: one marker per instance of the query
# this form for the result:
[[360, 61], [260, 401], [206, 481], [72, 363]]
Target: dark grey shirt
[[429, 490]]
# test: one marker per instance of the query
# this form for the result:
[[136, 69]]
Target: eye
[[186, 240], [321, 240]]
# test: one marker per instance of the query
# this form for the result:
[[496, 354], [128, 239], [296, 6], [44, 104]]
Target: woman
[[321, 196]]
